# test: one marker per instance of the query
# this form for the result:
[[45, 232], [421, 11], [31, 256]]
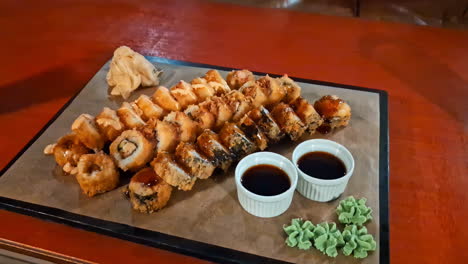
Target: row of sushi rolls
[[187, 133]]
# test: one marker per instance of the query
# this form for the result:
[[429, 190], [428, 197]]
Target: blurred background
[[437, 13]]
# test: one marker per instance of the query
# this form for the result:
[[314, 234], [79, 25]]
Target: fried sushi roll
[[195, 163], [239, 104], [334, 111], [149, 109], [147, 191], [131, 150], [130, 116], [87, 132], [306, 112], [67, 152], [252, 131], [293, 90], [215, 80], [209, 144], [204, 118], [175, 175], [271, 88], [236, 141], [288, 121], [252, 89], [184, 94], [109, 124], [202, 89], [167, 135], [97, 174], [261, 116], [164, 99], [218, 107], [235, 79], [187, 128]]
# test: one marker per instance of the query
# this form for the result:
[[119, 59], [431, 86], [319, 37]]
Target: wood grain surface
[[50, 49]]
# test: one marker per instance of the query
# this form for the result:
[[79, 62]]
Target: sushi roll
[[172, 173], [184, 94], [67, 152], [187, 128], [239, 104], [215, 80], [218, 107], [87, 132], [97, 174], [306, 112], [149, 109], [167, 136], [288, 121], [202, 115], [164, 99], [252, 131], [131, 150], [208, 143], [271, 88], [109, 124], [235, 79], [130, 116], [196, 163], [293, 90], [334, 111], [261, 116], [147, 191], [252, 89], [236, 141], [202, 89]]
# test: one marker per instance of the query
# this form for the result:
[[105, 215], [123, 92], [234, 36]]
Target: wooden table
[[50, 49]]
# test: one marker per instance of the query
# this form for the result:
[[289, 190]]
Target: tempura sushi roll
[[219, 108], [293, 90], [175, 175], [236, 141], [306, 112], [131, 150], [67, 152], [288, 121], [184, 94], [97, 174], [252, 131], [109, 124], [164, 99], [334, 111], [235, 79], [130, 116], [217, 82], [239, 104], [253, 90], [147, 191], [209, 144], [187, 128], [271, 88], [87, 132], [149, 109], [261, 116], [167, 135], [202, 89], [196, 163], [204, 118]]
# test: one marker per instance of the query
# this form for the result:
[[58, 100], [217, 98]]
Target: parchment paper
[[209, 213]]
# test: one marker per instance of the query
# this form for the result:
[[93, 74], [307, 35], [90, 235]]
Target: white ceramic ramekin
[[319, 189], [265, 206]]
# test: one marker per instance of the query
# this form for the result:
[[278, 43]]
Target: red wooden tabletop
[[50, 49]]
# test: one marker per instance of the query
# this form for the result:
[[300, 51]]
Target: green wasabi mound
[[300, 233], [357, 241], [354, 211], [327, 238]]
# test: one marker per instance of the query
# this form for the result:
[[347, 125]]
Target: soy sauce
[[266, 180], [322, 165]]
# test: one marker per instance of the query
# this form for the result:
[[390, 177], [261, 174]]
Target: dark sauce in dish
[[266, 180], [322, 165]]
